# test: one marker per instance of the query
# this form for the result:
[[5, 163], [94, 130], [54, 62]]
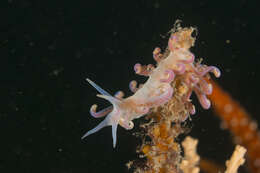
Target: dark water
[[48, 48]]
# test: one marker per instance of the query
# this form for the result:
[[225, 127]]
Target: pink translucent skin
[[157, 54], [157, 90], [143, 70], [170, 77], [101, 113]]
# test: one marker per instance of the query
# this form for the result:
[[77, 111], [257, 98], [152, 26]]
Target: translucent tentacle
[[111, 99], [98, 88], [114, 129], [101, 125], [101, 113]]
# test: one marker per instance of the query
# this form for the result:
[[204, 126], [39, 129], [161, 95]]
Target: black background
[[48, 48]]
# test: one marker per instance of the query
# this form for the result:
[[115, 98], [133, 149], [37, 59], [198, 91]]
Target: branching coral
[[236, 159], [239, 122], [191, 158]]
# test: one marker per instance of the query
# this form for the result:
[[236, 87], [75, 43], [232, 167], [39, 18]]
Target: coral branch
[[191, 158], [239, 122], [236, 159]]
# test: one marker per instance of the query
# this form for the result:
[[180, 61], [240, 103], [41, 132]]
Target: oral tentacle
[[98, 88], [114, 130], [101, 125], [111, 99]]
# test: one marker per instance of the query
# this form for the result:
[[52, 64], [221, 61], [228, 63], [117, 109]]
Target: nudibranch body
[[178, 62]]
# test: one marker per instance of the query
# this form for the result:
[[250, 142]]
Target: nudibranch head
[[120, 113]]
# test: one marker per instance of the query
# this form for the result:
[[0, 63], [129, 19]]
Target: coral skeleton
[[191, 158], [236, 159]]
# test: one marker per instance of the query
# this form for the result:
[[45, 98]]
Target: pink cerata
[[176, 63]]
